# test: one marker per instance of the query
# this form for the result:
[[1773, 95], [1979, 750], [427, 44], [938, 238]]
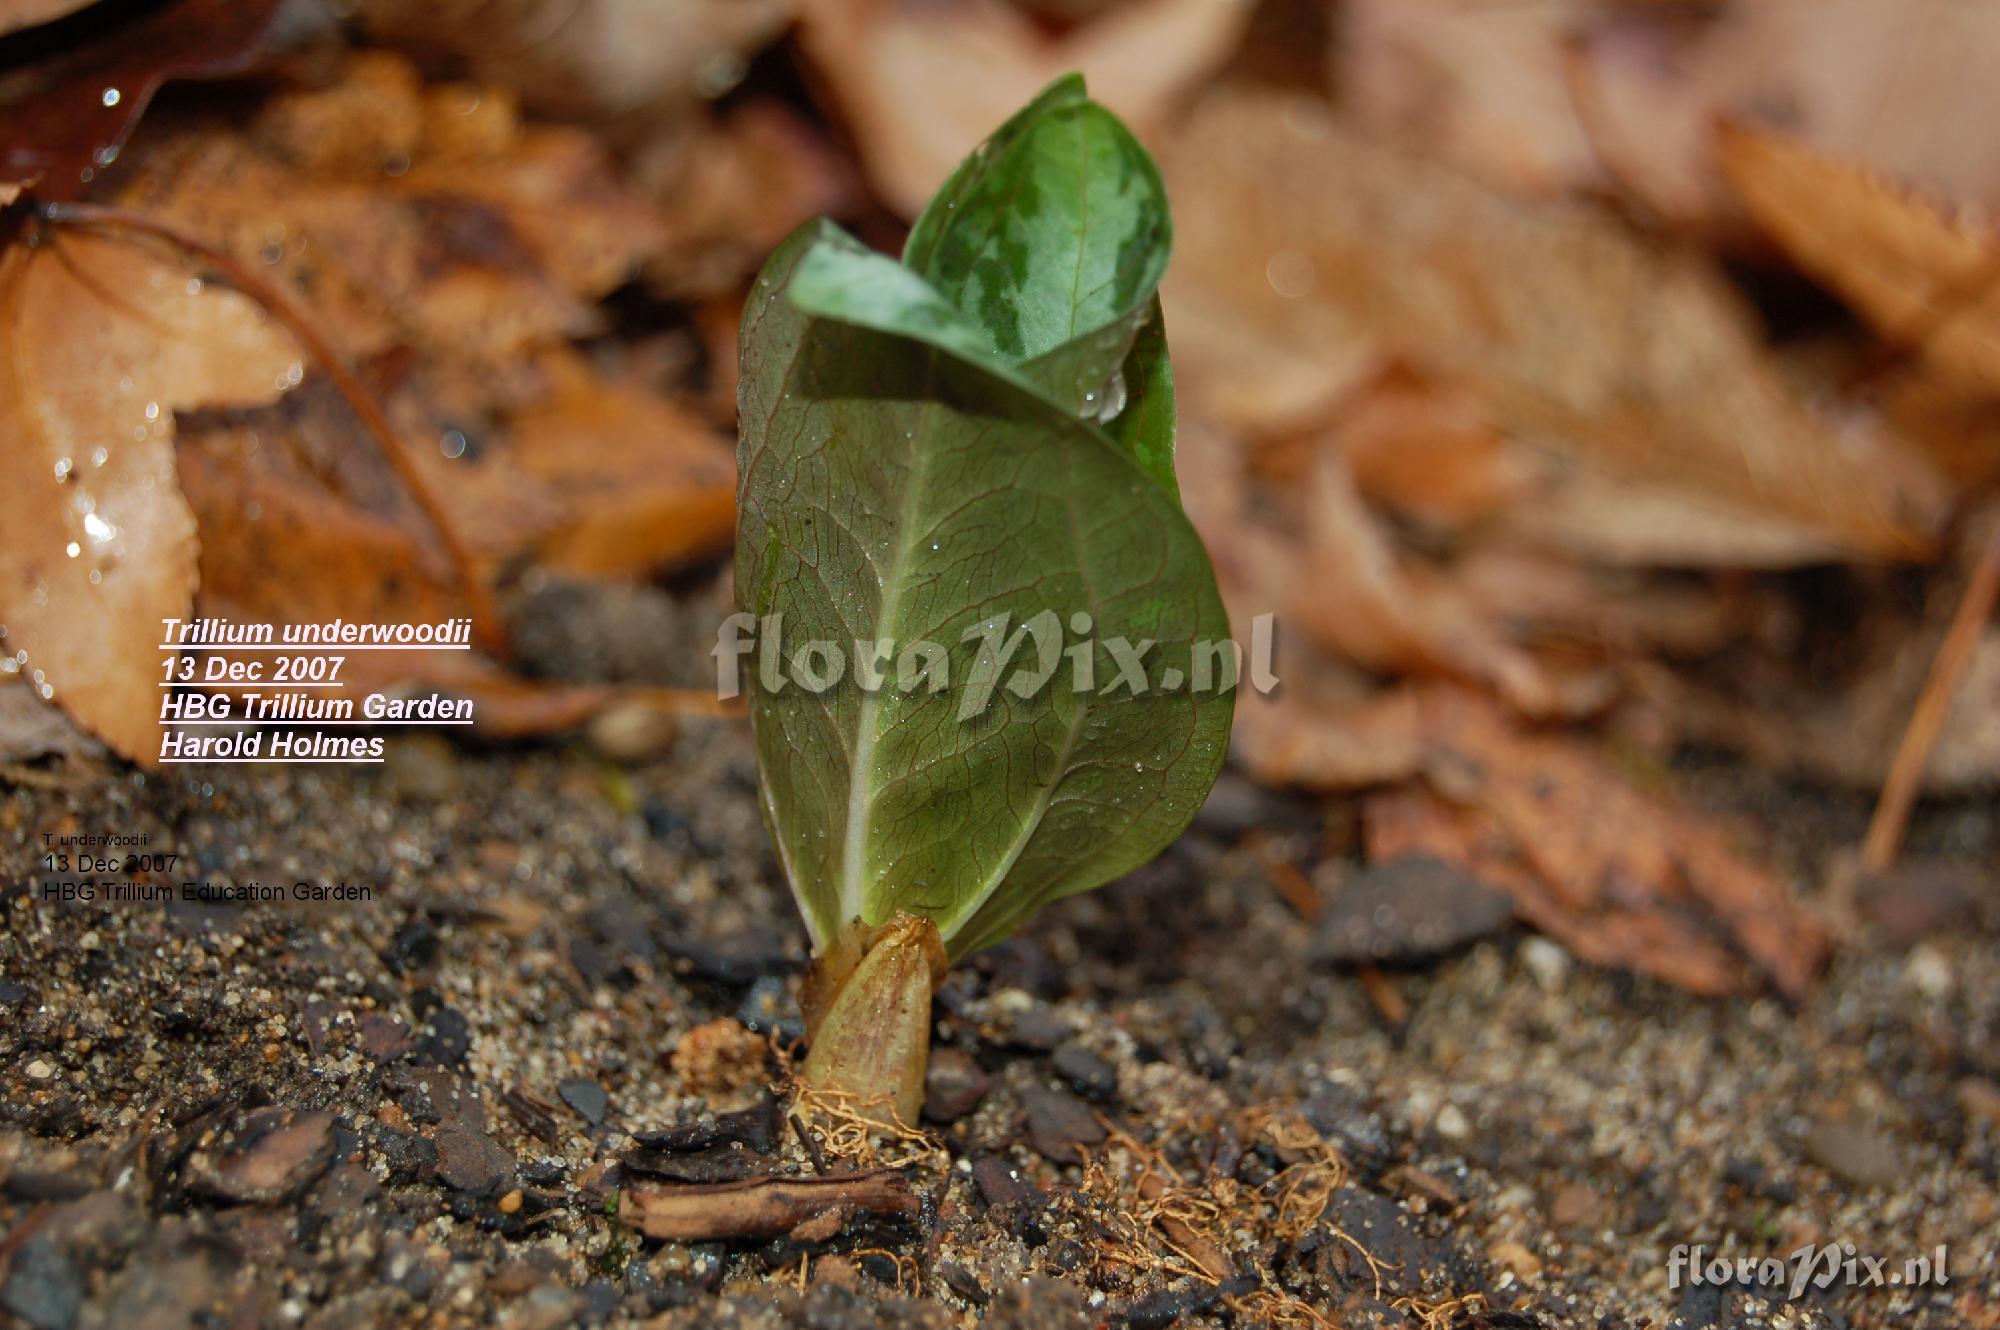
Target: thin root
[[847, 1134]]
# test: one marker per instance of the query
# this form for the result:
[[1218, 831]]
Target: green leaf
[[1054, 228], [840, 278], [1052, 239], [921, 461], [893, 490], [1144, 423]]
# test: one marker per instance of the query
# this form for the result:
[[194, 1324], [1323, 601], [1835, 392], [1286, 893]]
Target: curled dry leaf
[[277, 553], [1921, 272], [1295, 233], [758, 1208], [1847, 735], [1547, 96], [101, 341], [428, 225], [1429, 455], [1622, 876], [1386, 613], [1436, 457], [923, 83], [589, 59]]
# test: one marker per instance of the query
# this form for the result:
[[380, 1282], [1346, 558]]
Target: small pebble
[[1980, 1099], [1060, 1124], [1084, 1070], [587, 1097], [1406, 909], [769, 1006], [954, 1085], [1452, 1123], [1928, 971], [471, 1161], [632, 733], [1000, 1183], [1856, 1152], [266, 1154], [1513, 1256], [1575, 1206], [1037, 1027], [1547, 962]]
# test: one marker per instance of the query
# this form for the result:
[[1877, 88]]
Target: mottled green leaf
[[840, 278], [922, 460], [1052, 239], [1054, 228], [1144, 420], [892, 490]]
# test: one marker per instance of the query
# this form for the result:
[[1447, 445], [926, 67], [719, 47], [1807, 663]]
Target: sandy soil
[[418, 1109]]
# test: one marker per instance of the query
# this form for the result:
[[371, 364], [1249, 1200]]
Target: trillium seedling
[[947, 450]]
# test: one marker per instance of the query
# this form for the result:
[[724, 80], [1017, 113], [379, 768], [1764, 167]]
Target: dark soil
[[419, 1109]]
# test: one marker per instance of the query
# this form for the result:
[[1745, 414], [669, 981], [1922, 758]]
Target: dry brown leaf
[[402, 216], [729, 191], [277, 553], [1847, 735], [1919, 272], [1483, 85], [72, 95], [31, 728], [101, 341], [1585, 615], [1960, 433], [1366, 740], [1293, 231], [1622, 876], [1430, 456], [1904, 88], [643, 485], [627, 60], [1607, 518], [570, 470], [18, 14], [923, 81], [282, 554], [1361, 601]]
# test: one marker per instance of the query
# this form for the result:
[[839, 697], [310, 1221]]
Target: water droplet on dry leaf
[[1290, 274]]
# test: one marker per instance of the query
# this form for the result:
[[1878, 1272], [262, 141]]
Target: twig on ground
[[762, 1207], [1961, 640]]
